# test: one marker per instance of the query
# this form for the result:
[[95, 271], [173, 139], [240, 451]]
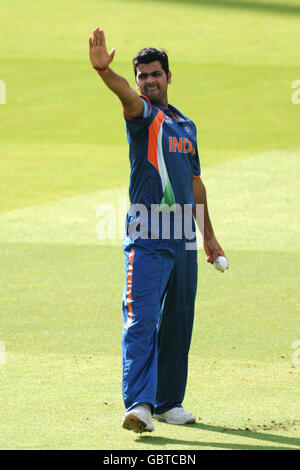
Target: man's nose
[[150, 80]]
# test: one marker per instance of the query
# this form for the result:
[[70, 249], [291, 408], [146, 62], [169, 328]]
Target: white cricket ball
[[221, 263]]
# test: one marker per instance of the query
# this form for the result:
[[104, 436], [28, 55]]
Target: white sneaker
[[139, 419], [176, 415]]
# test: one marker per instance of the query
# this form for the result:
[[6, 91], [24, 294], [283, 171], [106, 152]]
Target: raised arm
[[132, 104]]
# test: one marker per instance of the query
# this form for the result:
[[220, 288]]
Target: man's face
[[152, 81]]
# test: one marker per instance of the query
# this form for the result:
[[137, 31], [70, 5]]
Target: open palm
[[98, 53]]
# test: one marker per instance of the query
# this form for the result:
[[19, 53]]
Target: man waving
[[161, 271]]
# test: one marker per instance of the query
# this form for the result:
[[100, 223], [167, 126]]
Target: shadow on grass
[[285, 440], [246, 5]]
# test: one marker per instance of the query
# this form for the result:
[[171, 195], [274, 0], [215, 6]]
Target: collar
[[181, 117]]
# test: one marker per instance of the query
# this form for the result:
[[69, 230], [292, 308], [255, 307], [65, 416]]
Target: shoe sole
[[133, 423], [163, 420]]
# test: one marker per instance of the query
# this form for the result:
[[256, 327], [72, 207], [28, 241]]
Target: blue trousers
[[158, 312]]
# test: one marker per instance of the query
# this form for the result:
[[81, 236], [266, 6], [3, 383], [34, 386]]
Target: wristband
[[100, 69]]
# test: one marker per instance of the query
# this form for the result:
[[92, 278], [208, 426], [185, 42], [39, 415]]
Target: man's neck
[[164, 103]]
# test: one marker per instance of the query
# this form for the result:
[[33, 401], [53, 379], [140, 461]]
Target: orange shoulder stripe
[[154, 129]]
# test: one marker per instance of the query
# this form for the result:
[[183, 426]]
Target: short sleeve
[[196, 164], [137, 125], [196, 159], [147, 109]]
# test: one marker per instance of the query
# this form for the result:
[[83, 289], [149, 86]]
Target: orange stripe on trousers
[[129, 288]]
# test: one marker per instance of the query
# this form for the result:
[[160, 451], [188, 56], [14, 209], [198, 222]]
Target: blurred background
[[63, 152], [233, 63]]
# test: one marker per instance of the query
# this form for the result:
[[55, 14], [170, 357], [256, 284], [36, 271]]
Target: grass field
[[63, 153]]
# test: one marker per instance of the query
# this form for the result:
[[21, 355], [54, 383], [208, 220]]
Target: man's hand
[[98, 52], [133, 105], [212, 250]]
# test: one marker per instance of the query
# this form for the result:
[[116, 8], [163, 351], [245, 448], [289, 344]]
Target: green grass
[[63, 153], [61, 383]]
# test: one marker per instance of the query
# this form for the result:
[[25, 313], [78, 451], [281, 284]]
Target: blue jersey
[[163, 157]]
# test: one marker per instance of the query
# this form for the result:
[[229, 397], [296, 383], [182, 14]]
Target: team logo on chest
[[188, 129], [168, 120], [182, 145]]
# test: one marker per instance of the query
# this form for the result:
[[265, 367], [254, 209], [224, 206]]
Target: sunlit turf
[[63, 152]]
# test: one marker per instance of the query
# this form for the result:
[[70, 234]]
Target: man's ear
[[169, 77]]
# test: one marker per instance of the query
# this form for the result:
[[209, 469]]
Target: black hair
[[150, 54]]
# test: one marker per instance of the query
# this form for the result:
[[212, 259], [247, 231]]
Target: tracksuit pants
[[158, 313]]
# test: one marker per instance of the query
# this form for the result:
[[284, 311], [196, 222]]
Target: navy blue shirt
[[163, 157]]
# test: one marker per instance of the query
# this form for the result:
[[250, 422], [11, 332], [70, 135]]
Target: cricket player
[[161, 273]]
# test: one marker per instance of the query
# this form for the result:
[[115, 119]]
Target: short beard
[[157, 99]]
